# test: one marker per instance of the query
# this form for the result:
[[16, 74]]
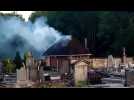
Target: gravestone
[[41, 73], [32, 67], [129, 78], [110, 62], [22, 74], [124, 58], [124, 63], [28, 74], [80, 71], [23, 77], [115, 64]]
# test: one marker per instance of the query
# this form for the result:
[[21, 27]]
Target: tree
[[9, 66], [107, 31], [79, 24], [7, 15], [18, 60], [115, 30]]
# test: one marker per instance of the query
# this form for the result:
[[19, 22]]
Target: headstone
[[41, 74], [22, 74], [32, 66], [110, 62], [23, 78], [105, 63], [124, 63], [129, 77], [29, 73], [80, 72]]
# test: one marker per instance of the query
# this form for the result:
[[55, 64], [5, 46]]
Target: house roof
[[85, 61], [66, 47]]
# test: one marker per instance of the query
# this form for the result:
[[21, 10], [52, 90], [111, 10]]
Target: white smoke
[[38, 35]]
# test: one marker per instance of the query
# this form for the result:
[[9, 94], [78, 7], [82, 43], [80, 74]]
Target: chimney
[[85, 42]]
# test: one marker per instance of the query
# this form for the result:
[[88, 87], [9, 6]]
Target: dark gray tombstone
[[129, 78]]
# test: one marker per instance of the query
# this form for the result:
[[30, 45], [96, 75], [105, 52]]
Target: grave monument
[[32, 66], [28, 73]]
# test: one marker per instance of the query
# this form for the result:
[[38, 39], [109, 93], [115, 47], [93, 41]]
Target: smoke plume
[[18, 35]]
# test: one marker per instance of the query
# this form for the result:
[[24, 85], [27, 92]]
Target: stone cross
[[124, 59]]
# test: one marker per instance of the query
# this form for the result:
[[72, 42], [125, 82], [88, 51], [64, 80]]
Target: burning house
[[65, 53]]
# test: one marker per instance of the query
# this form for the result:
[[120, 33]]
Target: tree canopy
[[107, 31], [9, 66], [13, 14]]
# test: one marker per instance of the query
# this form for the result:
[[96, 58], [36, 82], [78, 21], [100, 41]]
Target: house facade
[[62, 56]]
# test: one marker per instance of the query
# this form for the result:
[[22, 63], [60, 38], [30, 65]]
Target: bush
[[9, 66]]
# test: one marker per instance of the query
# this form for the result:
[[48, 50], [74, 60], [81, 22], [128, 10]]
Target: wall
[[99, 62], [60, 63], [102, 62], [63, 65], [95, 62]]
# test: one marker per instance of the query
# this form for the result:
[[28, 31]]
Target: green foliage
[[81, 84], [58, 85], [76, 23], [107, 31], [114, 32], [52, 85], [9, 66]]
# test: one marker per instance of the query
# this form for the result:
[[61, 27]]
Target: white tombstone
[[80, 71], [105, 63], [22, 74], [110, 62], [23, 78]]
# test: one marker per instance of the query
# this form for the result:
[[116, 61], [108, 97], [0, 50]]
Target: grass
[[81, 83], [52, 85]]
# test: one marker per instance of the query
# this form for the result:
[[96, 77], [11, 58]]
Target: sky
[[25, 14]]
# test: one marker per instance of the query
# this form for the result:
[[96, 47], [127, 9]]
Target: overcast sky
[[25, 14]]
